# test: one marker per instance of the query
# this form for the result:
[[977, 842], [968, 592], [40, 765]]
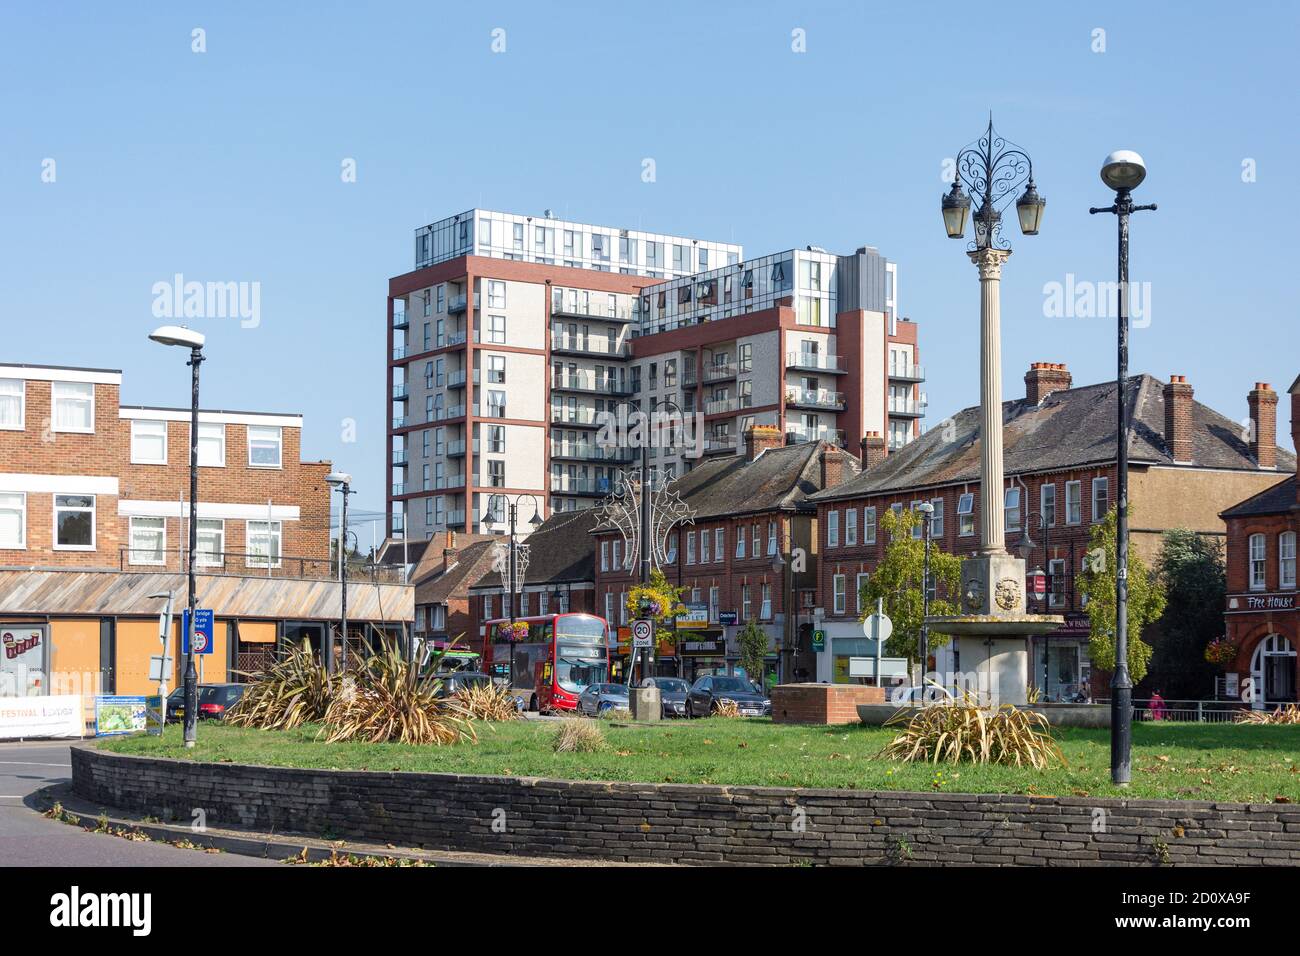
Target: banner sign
[[154, 716], [27, 717], [696, 616], [119, 715]]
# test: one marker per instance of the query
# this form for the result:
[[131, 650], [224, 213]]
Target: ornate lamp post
[[923, 646], [1123, 171], [1026, 549], [513, 553], [343, 482]]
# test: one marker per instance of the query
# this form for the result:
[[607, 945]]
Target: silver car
[[598, 698]]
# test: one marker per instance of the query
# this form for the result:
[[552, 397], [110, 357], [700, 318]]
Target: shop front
[[1265, 627], [1059, 665], [703, 652]]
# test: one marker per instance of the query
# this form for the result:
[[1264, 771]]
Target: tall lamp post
[[1123, 171], [1026, 549], [512, 517], [923, 648], [187, 338], [343, 482]]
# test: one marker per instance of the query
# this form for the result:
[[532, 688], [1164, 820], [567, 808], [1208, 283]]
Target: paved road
[[29, 839]]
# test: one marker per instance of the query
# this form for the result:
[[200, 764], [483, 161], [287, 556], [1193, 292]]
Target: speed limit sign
[[642, 633]]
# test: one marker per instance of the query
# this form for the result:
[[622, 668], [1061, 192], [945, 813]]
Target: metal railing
[[814, 397], [590, 451], [592, 309], [908, 406], [802, 433], [719, 370], [1184, 711], [813, 361], [912, 373], [580, 486], [251, 564], [588, 345]]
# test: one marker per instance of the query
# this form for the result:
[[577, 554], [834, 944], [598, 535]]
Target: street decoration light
[[511, 559], [343, 482]]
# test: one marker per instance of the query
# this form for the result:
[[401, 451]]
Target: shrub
[[575, 735], [725, 707], [1290, 714], [616, 713], [384, 699], [486, 702], [295, 690], [962, 730]]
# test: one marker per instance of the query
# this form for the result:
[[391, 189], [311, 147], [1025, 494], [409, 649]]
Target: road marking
[[32, 763]]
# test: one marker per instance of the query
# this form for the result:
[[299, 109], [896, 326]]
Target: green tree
[[897, 582], [1146, 598], [1191, 566], [752, 641]]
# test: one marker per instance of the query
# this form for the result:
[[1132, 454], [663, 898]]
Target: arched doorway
[[1272, 669]]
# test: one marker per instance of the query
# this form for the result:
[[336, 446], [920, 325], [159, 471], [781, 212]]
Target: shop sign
[[1262, 602], [716, 647], [696, 616]]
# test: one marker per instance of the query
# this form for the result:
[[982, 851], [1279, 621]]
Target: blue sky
[[225, 166]]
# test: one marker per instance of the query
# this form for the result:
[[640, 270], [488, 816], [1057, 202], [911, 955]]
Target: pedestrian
[[1157, 706]]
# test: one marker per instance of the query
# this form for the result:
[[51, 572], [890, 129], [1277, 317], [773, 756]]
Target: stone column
[[992, 530]]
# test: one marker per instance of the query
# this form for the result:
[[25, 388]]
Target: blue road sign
[[204, 630]]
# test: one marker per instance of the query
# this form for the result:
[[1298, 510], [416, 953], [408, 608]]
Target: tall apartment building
[[514, 333]]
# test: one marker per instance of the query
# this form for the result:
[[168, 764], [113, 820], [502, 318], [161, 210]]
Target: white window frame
[[19, 392], [209, 426], [275, 534], [862, 578], [1047, 502], [604, 555], [838, 584], [1105, 484], [755, 540], [706, 546], [746, 603], [772, 546], [765, 602], [21, 509], [719, 544], [936, 518], [690, 547], [279, 448], [133, 551], [220, 553], [869, 524], [1286, 560], [80, 389], [918, 529], [833, 528], [1074, 509], [850, 527], [93, 509], [1011, 511], [966, 514], [1257, 561], [138, 424], [740, 541], [496, 294], [609, 606]]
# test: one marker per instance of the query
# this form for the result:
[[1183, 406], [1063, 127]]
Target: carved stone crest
[[1007, 594]]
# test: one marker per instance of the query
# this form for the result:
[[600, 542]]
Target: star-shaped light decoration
[[622, 510]]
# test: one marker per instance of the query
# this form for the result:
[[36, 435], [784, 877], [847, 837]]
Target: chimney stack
[[873, 451], [835, 466], [1044, 378], [1262, 402], [759, 438], [449, 547], [1178, 418]]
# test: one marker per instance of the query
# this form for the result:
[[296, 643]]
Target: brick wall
[[693, 823], [821, 703]]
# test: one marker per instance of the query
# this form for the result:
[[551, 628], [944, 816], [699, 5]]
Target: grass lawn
[[1219, 762]]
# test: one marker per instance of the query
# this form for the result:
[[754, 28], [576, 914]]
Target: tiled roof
[[560, 551], [437, 583], [1279, 499], [1072, 428]]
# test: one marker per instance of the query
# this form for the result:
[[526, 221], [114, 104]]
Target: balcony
[[907, 407], [584, 381], [817, 398], [597, 307], [574, 417], [563, 484], [798, 434], [448, 481], [722, 406], [719, 371], [452, 339], [490, 411], [400, 392], [454, 517], [907, 373], [815, 362], [456, 449], [399, 488], [590, 451], [459, 303], [721, 445], [399, 456], [588, 345], [457, 378], [400, 352], [400, 320]]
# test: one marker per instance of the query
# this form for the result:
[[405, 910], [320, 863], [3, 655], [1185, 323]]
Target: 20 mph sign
[[642, 633]]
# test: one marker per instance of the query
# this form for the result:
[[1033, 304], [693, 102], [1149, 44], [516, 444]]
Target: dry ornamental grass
[[1290, 714], [962, 730], [575, 735]]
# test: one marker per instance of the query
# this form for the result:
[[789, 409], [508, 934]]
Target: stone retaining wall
[[691, 823]]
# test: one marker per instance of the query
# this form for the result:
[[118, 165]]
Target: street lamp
[[180, 336], [927, 516], [1123, 171], [1026, 549], [512, 512], [343, 482]]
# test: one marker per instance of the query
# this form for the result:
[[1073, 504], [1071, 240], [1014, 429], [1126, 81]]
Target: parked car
[[672, 694], [214, 701], [455, 681], [707, 692], [598, 698]]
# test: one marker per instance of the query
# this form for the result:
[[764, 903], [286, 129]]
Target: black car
[[455, 681], [672, 694], [707, 692], [214, 701]]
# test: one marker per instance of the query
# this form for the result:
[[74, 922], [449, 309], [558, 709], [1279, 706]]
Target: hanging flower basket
[[1221, 652], [513, 633]]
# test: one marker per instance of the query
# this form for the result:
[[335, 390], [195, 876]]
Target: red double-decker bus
[[561, 655]]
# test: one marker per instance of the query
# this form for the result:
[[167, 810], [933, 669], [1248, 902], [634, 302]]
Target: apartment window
[[212, 445], [1257, 562], [837, 591], [439, 445], [861, 583], [13, 519], [755, 545], [1286, 559], [496, 403], [919, 527], [1011, 509], [1056, 569], [604, 555], [622, 607], [714, 593], [1047, 504], [609, 606], [442, 299], [671, 556], [936, 518], [496, 369], [13, 404], [706, 539], [148, 443], [966, 515], [832, 529], [771, 538], [740, 541], [148, 540], [719, 544], [496, 294], [74, 406], [765, 609], [1100, 494], [210, 543], [497, 439], [264, 446], [618, 555], [690, 547], [263, 543], [487, 606], [496, 473], [850, 527], [1073, 496], [428, 298], [745, 358], [746, 604], [497, 329], [869, 525], [74, 522]]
